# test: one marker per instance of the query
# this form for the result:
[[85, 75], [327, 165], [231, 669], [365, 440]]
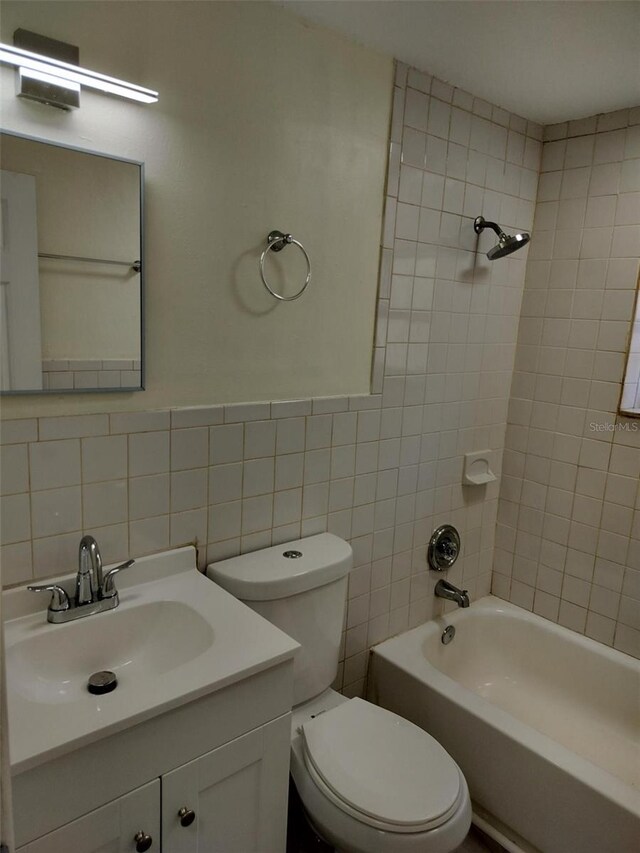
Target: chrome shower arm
[[506, 245], [480, 223]]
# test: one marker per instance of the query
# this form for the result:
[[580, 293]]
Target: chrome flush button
[[292, 555]]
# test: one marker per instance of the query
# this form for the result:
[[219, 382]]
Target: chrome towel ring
[[276, 241]]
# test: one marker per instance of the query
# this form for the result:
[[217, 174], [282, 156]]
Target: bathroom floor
[[302, 839]]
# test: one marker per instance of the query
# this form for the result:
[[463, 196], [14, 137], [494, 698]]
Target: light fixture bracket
[[44, 87]]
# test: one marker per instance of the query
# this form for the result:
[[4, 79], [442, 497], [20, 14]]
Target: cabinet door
[[237, 792], [109, 829]]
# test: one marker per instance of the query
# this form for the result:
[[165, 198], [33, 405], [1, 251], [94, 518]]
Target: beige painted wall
[[87, 206], [264, 122]]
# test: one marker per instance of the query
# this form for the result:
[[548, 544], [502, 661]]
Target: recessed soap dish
[[477, 468]]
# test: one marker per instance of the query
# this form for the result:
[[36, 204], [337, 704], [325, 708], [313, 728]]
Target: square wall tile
[[226, 444], [54, 464], [55, 555], [189, 448], [104, 458], [16, 563], [258, 477], [15, 518], [14, 469], [188, 528], [148, 453], [257, 514], [259, 439], [225, 483], [224, 521], [55, 511], [189, 490], [105, 503], [287, 507], [318, 432], [149, 535], [289, 471], [148, 496]]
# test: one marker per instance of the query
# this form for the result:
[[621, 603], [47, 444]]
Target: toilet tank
[[301, 587]]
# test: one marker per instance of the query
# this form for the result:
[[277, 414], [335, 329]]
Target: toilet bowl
[[369, 781]]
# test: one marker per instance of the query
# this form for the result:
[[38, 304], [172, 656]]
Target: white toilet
[[370, 781]]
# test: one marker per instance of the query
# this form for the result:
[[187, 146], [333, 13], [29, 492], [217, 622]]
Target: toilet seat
[[358, 754]]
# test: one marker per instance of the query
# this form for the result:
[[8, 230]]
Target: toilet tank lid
[[268, 574]]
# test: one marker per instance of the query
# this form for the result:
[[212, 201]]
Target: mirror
[[630, 394], [71, 282]]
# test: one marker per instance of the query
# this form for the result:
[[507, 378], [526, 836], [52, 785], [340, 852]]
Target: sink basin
[[175, 637], [138, 643]]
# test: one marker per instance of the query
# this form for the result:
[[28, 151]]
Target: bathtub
[[542, 721]]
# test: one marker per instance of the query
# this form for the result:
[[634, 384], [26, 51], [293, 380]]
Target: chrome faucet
[[94, 592], [447, 590], [89, 577]]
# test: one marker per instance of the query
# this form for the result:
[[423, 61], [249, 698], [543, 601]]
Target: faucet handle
[[108, 589], [59, 598]]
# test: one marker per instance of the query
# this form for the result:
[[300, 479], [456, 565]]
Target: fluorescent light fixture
[[64, 74]]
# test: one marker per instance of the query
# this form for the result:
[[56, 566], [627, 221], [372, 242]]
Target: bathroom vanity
[[191, 750]]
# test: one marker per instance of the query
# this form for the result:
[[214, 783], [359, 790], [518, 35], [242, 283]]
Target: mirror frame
[[140, 164], [622, 412]]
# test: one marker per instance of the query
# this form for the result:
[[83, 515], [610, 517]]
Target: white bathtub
[[543, 722]]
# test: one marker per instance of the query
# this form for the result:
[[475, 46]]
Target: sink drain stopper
[[102, 682]]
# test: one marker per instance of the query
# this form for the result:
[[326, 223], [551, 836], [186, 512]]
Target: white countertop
[[50, 711]]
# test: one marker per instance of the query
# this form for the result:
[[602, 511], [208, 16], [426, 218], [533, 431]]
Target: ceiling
[[547, 61]]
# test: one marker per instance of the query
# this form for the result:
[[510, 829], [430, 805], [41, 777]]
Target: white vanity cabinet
[[231, 800], [110, 829], [200, 720], [228, 799], [224, 757]]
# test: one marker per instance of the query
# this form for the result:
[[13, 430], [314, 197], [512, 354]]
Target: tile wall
[[380, 470], [568, 534]]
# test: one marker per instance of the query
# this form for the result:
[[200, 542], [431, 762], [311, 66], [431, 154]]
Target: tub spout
[[447, 590]]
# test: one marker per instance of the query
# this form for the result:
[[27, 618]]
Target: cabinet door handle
[[143, 841], [187, 816]]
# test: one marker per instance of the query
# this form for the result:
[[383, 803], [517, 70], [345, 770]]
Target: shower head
[[506, 243]]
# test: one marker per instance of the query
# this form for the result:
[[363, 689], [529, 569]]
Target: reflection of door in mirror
[[21, 351], [82, 269]]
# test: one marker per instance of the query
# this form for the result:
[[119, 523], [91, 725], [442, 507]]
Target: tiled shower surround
[[568, 536], [381, 470]]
